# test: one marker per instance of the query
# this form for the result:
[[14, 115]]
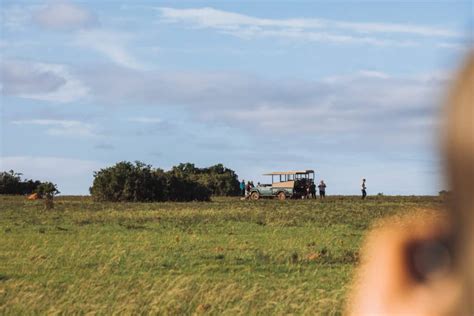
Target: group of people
[[245, 188], [310, 190]]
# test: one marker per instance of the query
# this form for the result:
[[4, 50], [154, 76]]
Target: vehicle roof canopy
[[276, 173]]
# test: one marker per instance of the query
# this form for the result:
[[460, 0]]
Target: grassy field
[[223, 257]]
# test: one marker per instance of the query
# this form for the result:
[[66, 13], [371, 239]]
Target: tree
[[140, 182], [221, 181], [11, 183], [47, 190], [129, 182], [181, 189]]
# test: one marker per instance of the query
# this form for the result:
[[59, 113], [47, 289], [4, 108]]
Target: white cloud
[[365, 102], [146, 120], [316, 36], [62, 127], [362, 74], [308, 29], [56, 14], [58, 170], [209, 17], [64, 15], [374, 74], [111, 44], [15, 17], [462, 47], [40, 81]]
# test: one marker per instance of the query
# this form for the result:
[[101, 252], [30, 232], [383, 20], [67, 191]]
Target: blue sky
[[350, 89]]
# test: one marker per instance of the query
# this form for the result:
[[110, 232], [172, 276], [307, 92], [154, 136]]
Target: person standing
[[242, 187], [312, 190], [247, 189], [364, 189], [322, 189]]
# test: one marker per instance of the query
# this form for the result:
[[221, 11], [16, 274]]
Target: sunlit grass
[[226, 256]]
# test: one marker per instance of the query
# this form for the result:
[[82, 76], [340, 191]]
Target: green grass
[[223, 257]]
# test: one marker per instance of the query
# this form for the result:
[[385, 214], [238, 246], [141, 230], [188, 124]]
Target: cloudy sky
[[349, 89]]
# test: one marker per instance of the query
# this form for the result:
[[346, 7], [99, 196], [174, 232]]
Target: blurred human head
[[423, 264]]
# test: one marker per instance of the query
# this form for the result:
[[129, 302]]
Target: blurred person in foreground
[[423, 264]]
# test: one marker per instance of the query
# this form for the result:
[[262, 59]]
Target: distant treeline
[[11, 183], [139, 182]]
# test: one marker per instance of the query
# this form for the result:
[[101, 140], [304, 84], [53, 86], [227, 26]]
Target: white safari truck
[[285, 184]]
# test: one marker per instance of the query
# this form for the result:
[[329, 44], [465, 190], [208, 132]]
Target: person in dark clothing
[[242, 187], [322, 189], [364, 189], [312, 190], [247, 188]]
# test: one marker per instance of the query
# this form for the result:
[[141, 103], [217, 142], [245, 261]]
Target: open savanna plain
[[222, 257]]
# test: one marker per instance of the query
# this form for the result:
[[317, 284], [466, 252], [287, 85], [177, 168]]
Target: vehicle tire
[[281, 196], [254, 195]]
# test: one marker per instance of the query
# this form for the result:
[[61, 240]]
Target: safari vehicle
[[286, 184]]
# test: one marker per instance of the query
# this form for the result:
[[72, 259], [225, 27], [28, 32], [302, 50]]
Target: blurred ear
[[406, 269], [459, 151], [424, 264]]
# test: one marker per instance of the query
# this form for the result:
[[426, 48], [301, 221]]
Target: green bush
[[11, 183], [47, 190], [139, 182], [129, 182], [180, 189], [221, 181]]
